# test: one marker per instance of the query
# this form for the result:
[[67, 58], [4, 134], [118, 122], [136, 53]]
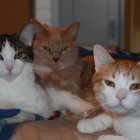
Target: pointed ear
[[39, 28], [73, 30], [26, 34], [138, 63], [101, 57], [46, 25]]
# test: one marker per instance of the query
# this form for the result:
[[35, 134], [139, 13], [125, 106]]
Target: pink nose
[[9, 68], [121, 97]]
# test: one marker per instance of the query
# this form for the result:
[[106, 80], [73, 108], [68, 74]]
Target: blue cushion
[[6, 130], [116, 55]]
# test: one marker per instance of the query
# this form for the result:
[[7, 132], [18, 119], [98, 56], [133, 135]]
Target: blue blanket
[[116, 55], [6, 130]]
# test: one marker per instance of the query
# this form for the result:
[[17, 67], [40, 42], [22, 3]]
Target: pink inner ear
[[101, 57]]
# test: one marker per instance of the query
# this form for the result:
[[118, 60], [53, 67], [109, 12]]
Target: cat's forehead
[[7, 46], [7, 50], [127, 70]]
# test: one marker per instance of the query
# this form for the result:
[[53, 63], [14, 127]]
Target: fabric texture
[[6, 129]]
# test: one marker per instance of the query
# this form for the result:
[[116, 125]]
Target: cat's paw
[[85, 126]]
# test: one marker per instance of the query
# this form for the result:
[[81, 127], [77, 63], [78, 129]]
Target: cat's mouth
[[9, 77], [120, 109]]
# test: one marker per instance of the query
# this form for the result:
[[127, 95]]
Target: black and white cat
[[18, 86]]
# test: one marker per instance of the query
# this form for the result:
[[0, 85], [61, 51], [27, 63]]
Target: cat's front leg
[[112, 137], [66, 100], [98, 123]]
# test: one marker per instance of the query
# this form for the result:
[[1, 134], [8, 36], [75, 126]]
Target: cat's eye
[[19, 55], [110, 83], [64, 48], [135, 86], [1, 58], [46, 48]]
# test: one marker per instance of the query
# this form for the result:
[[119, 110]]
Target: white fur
[[21, 91], [8, 54], [108, 96], [66, 100], [112, 137], [99, 123], [126, 119], [42, 68]]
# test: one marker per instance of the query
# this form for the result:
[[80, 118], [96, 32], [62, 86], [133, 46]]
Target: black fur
[[18, 45]]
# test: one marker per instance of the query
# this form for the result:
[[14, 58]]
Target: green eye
[[64, 48], [1, 58], [110, 83], [46, 48], [19, 55], [135, 87]]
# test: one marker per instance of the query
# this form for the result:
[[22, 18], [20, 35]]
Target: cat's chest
[[16, 90], [128, 127]]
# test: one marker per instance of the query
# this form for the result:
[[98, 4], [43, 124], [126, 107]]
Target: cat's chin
[[9, 77], [120, 110]]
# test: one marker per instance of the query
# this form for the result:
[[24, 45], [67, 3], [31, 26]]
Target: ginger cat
[[59, 66], [117, 87]]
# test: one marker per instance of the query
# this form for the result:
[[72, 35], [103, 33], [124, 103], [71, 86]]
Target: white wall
[[47, 11]]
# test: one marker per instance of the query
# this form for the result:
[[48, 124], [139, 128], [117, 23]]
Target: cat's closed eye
[[64, 48], [109, 83], [46, 48], [19, 55], [135, 86]]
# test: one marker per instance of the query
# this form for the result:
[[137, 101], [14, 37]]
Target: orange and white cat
[[117, 87], [57, 63]]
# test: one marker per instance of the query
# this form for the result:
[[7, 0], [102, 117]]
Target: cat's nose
[[9, 68], [121, 94], [120, 97], [56, 59]]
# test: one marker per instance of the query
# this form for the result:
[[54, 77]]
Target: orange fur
[[75, 76], [128, 68]]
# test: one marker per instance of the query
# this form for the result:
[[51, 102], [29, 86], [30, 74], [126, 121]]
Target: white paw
[[85, 126]]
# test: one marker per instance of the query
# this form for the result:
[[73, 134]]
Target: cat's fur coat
[[18, 86], [59, 66], [117, 87]]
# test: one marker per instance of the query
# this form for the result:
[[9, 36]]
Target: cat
[[59, 66], [19, 88], [117, 87]]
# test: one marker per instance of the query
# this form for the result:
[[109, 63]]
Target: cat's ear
[[39, 29], [101, 57], [46, 25], [73, 30], [138, 64], [26, 34]]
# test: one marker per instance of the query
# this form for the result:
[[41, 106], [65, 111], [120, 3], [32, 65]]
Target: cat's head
[[15, 52], [55, 47], [116, 82]]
